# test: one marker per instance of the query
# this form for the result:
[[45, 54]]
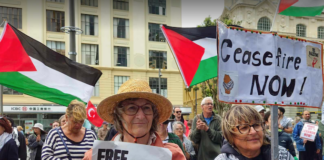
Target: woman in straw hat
[[135, 112], [244, 131]]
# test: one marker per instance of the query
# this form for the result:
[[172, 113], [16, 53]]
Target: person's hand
[[38, 138], [305, 141], [87, 155], [318, 151], [204, 126]]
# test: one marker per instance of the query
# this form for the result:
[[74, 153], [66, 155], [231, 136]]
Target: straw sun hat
[[134, 88]]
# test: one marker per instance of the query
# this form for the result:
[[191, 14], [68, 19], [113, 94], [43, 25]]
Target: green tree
[[209, 87]]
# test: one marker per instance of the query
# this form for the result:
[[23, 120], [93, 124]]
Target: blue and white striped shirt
[[53, 148]]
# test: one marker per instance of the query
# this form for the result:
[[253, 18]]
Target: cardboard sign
[[110, 150], [29, 126], [309, 131], [265, 68]]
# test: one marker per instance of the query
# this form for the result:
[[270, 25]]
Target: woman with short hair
[[135, 112], [8, 146], [243, 128], [71, 138], [62, 120], [179, 129]]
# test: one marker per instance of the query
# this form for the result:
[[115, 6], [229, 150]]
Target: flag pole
[[275, 15], [1, 100], [274, 133]]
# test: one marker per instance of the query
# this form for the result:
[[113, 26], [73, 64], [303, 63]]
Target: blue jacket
[[300, 142]]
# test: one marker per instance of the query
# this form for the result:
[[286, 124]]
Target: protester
[[137, 103], [178, 129], [283, 122], [321, 134], [206, 131], [102, 132], [62, 120], [283, 138], [167, 137], [243, 129], [20, 129], [8, 146], [55, 124], [111, 133], [319, 155], [178, 117], [72, 137], [307, 149], [297, 119], [36, 141], [260, 109], [19, 139]]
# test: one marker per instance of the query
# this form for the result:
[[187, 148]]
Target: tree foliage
[[225, 19]]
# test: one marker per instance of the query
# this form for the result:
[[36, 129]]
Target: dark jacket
[[286, 142], [9, 151], [209, 141], [229, 153], [22, 151], [111, 133], [33, 144]]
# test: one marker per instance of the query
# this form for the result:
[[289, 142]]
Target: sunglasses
[[178, 112]]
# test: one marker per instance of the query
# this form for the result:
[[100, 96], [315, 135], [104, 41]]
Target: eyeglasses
[[178, 111], [245, 128], [208, 104], [132, 109], [179, 129]]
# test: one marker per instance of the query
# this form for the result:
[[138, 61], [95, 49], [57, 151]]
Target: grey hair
[[175, 125], [206, 98]]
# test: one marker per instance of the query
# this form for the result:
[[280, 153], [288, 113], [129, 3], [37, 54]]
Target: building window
[[158, 59], [121, 56], [89, 24], [155, 33], [56, 46], [301, 30], [320, 32], [157, 7], [95, 92], [118, 81], [154, 84], [121, 5], [264, 24], [10, 91], [90, 54], [121, 28], [61, 1], [12, 15], [93, 3], [54, 20]]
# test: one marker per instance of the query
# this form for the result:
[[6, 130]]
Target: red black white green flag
[[195, 52], [30, 67]]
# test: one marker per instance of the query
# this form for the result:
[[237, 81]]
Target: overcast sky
[[195, 11]]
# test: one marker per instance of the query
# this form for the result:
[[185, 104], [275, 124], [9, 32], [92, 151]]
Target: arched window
[[264, 24], [320, 32], [301, 30]]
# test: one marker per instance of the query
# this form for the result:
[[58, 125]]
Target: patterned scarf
[[4, 138]]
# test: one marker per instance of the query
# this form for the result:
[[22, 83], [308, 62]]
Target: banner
[[110, 150], [265, 68], [309, 131]]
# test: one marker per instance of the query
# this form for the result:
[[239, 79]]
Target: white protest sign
[[266, 68], [110, 150], [29, 124], [309, 131]]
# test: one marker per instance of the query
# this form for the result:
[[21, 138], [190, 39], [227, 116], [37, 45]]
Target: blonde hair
[[235, 116], [62, 117], [77, 110], [19, 127]]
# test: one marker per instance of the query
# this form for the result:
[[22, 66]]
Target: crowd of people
[[136, 115]]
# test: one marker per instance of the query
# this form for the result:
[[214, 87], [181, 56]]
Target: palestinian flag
[[29, 67], [195, 52], [299, 8]]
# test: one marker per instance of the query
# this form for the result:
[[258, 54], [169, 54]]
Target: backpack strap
[[66, 148]]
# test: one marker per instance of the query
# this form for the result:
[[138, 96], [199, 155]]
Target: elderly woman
[[62, 120], [179, 129], [8, 146], [135, 112], [244, 131], [70, 138], [36, 142]]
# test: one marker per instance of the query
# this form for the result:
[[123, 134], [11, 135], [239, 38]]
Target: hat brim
[[106, 107], [39, 129]]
